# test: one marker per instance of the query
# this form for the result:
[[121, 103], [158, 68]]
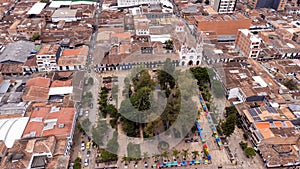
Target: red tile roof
[[38, 81], [40, 116]]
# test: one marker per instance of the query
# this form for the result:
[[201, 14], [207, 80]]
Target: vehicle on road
[[91, 105], [81, 112], [86, 162], [88, 153], [88, 145], [82, 146], [87, 113]]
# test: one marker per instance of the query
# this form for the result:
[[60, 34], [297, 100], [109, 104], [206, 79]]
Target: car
[[82, 146], [88, 145], [187, 141], [81, 112], [88, 153], [91, 105], [86, 162], [87, 113], [110, 98]]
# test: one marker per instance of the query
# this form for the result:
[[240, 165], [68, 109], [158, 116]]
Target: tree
[[229, 126], [113, 145], [35, 37], [230, 110], [199, 1], [217, 89], [243, 145], [107, 156], [250, 152], [195, 154], [206, 2], [185, 153], [86, 124], [175, 153], [91, 81], [169, 44], [165, 155], [201, 74], [77, 163], [140, 99], [290, 84]]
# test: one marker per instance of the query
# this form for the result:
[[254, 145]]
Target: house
[[47, 57], [36, 89], [73, 59]]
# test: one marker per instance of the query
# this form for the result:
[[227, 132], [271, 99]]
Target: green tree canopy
[[229, 126], [249, 151], [77, 163]]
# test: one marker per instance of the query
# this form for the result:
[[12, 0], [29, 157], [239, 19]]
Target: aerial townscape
[[125, 84]]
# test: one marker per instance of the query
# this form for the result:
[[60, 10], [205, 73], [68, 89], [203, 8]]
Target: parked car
[[88, 145], [88, 153], [87, 113], [81, 112], [82, 146], [86, 162]]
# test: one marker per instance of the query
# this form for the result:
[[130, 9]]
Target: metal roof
[[36, 8], [11, 129]]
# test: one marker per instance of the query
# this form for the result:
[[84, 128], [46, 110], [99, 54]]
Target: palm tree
[[165, 154], [185, 153], [175, 154], [195, 154], [156, 156], [145, 156], [125, 160]]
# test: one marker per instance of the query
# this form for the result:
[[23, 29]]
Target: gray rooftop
[[16, 51]]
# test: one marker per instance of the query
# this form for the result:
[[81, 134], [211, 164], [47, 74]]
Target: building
[[73, 59], [36, 89], [65, 14], [280, 151], [55, 121], [141, 25], [225, 27], [47, 152], [190, 56], [274, 4], [247, 43], [122, 3], [12, 129], [224, 6], [47, 57]]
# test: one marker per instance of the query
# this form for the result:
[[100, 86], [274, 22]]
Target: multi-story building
[[225, 27], [47, 57], [224, 6], [140, 2], [274, 4], [247, 43]]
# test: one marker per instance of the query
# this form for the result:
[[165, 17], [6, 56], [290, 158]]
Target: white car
[[87, 113], [86, 162], [82, 146]]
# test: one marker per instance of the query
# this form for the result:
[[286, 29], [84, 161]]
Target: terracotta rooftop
[[39, 81], [61, 83], [35, 93], [77, 51], [45, 121]]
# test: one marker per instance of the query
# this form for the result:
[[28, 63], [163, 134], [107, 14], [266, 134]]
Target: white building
[[64, 14], [136, 2], [224, 6], [46, 58], [190, 56], [11, 129]]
